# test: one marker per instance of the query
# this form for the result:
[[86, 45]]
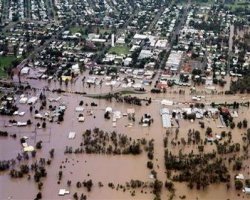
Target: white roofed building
[[174, 60]]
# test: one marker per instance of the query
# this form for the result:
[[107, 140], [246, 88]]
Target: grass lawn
[[239, 4], [5, 61], [79, 29], [76, 29], [104, 30], [201, 2], [118, 50]]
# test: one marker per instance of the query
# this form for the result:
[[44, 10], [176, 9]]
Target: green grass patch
[[77, 29], [104, 30], [202, 2], [97, 30], [239, 4], [119, 50], [5, 62]]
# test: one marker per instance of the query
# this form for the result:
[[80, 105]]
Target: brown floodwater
[[118, 169]]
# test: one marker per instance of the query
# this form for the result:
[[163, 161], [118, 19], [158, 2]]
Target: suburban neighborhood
[[124, 99]]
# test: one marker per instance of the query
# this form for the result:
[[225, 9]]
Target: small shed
[[81, 119], [247, 190], [72, 135], [62, 192], [23, 100], [64, 78], [167, 102], [25, 70], [79, 109], [109, 109], [32, 100]]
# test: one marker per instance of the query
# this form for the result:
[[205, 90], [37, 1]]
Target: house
[[127, 61], [174, 60], [32, 100], [81, 119], [150, 65], [23, 99], [134, 47], [91, 80], [72, 135], [145, 54], [79, 109], [75, 68], [120, 40], [139, 37], [165, 115], [92, 36], [247, 190], [98, 40], [64, 78], [25, 70], [209, 81], [62, 192], [161, 44]]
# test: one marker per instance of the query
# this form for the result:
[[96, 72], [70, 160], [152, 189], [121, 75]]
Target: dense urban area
[[124, 99]]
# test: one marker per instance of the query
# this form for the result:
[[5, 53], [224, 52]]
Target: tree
[[69, 183], [232, 125], [78, 184], [15, 17], [66, 82], [51, 153], [39, 195], [247, 182], [33, 154], [60, 80], [81, 103], [150, 164], [248, 135], [157, 187], [244, 123], [40, 185], [169, 185], [44, 125], [209, 131], [60, 118], [239, 125], [238, 184], [39, 145], [197, 136], [237, 165], [150, 155], [88, 185], [83, 197], [28, 122], [75, 196]]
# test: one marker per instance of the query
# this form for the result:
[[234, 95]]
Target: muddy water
[[105, 168]]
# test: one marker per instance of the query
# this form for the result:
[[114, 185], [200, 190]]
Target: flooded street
[[117, 169]]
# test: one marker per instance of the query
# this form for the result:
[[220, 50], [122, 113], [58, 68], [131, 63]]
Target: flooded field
[[116, 169]]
